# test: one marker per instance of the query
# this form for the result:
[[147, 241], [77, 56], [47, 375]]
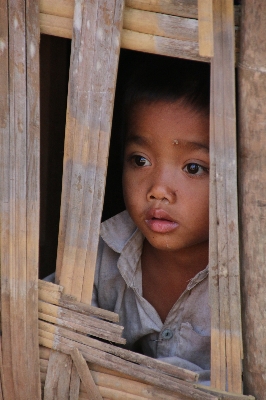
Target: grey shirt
[[184, 338]]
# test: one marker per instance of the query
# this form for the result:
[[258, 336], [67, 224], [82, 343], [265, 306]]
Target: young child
[[153, 257]]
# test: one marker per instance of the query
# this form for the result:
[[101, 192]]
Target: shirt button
[[167, 334]]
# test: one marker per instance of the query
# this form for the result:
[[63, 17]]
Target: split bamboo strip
[[81, 323], [96, 42], [228, 315], [252, 173], [205, 28], [188, 9], [58, 377], [224, 395], [115, 363], [19, 188], [61, 26], [88, 125], [161, 45], [218, 368], [160, 24], [85, 375], [140, 359], [1, 370], [123, 385], [52, 293], [105, 378], [74, 387], [64, 8], [136, 20]]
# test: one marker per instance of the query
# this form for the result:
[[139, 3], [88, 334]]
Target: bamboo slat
[[138, 372], [58, 377], [205, 28], [187, 9], [52, 293], [252, 196], [74, 387], [93, 68], [226, 358], [80, 323], [19, 188], [85, 375], [88, 125]]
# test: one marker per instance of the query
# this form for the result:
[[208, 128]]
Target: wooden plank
[[136, 20], [7, 384], [81, 323], [52, 293], [1, 371], [160, 24], [61, 26], [85, 375], [58, 377], [228, 333], [96, 42], [19, 189], [252, 204], [205, 28], [88, 125], [74, 388], [161, 45], [188, 9]]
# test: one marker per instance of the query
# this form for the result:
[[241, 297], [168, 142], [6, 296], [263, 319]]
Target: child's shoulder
[[117, 230]]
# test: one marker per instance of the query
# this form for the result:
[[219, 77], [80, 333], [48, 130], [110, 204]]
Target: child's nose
[[161, 192]]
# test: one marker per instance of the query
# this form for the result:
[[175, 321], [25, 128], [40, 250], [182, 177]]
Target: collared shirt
[[184, 338]]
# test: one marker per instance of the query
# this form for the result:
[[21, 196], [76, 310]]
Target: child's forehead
[[174, 122]]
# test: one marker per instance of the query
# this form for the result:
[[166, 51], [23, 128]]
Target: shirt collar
[[121, 235]]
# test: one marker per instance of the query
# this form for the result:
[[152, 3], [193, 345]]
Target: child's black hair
[[156, 78]]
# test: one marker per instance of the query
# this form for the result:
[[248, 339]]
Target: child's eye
[[195, 169], [141, 161]]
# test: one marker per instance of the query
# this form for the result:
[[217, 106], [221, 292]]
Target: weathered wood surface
[[252, 181], [85, 375], [56, 327], [92, 78], [74, 387], [226, 340], [19, 205], [53, 294], [135, 371], [57, 380], [180, 8], [125, 386], [205, 28], [162, 42], [93, 69]]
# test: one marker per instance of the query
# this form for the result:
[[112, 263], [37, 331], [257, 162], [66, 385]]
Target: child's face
[[166, 175]]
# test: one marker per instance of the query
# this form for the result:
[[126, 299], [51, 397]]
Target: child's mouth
[[161, 225]]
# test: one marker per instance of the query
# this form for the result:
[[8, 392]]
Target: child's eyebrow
[[194, 145], [134, 138], [141, 140]]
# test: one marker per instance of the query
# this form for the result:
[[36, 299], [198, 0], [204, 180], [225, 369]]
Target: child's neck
[[165, 274]]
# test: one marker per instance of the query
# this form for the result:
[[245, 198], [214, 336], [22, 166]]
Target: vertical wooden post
[[94, 61], [226, 334], [19, 201], [252, 185]]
